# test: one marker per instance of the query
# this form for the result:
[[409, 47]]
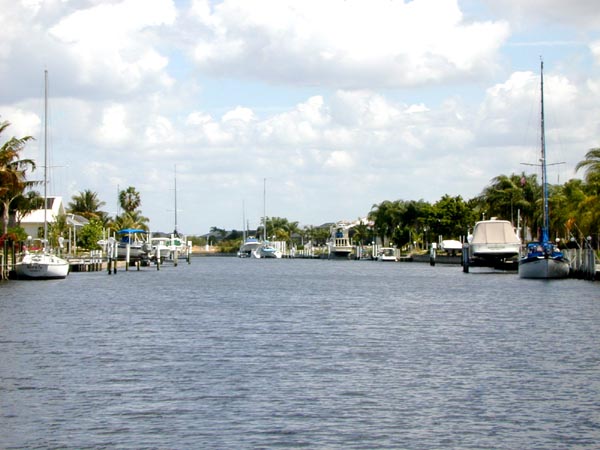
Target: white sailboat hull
[[544, 268], [42, 267]]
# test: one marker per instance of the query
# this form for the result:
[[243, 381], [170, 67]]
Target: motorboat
[[248, 247], [495, 244], [132, 244], [387, 254], [160, 248], [339, 244], [451, 246], [494, 239], [266, 250]]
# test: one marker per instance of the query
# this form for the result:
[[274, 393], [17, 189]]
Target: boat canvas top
[[494, 232]]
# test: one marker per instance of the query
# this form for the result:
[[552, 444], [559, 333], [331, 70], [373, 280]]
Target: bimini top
[[131, 230]]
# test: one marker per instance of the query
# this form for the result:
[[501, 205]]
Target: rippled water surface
[[230, 353]]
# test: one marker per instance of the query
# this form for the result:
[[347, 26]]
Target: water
[[230, 353]]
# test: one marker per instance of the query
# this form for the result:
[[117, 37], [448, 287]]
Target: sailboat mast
[[546, 226], [264, 209], [175, 176], [244, 221], [45, 156]]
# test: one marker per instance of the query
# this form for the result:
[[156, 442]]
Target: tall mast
[[264, 209], [244, 220], [546, 226], [175, 172], [45, 156]]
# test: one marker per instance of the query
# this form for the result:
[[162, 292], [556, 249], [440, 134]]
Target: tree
[[591, 164], [451, 217], [132, 219], [386, 217], [508, 196], [56, 230], [13, 172], [361, 233], [130, 199], [90, 234], [87, 204]]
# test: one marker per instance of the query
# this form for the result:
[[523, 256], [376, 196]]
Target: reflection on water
[[230, 353]]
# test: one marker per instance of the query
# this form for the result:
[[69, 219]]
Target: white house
[[33, 222]]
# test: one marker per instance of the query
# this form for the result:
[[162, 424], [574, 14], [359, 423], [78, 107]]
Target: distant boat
[[254, 248], [543, 259], [339, 244], [42, 264], [248, 246], [139, 249], [387, 254], [159, 248], [451, 246], [266, 250]]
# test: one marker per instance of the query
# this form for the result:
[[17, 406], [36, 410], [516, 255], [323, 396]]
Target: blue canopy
[[131, 230]]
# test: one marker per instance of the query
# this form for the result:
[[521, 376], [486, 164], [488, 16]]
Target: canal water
[[236, 353]]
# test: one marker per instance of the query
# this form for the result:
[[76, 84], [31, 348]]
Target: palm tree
[[386, 218], [13, 172], [360, 233], [87, 204], [507, 195], [130, 199], [591, 164], [133, 219]]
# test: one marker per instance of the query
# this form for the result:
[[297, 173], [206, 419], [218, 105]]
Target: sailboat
[[265, 249], [543, 259], [43, 264]]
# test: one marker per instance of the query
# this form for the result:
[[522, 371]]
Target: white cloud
[[107, 41], [345, 43], [22, 122], [240, 114], [339, 160], [160, 132], [595, 49], [113, 129]]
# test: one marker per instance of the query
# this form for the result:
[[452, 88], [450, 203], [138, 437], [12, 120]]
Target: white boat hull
[[544, 268], [42, 267]]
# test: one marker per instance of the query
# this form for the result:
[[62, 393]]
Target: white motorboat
[[159, 248], [250, 245], [387, 254], [493, 244], [43, 264], [494, 239], [543, 259], [339, 244], [266, 250], [132, 243]]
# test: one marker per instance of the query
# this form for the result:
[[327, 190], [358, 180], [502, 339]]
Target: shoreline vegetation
[[406, 225]]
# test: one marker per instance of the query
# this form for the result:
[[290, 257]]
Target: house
[[33, 222]]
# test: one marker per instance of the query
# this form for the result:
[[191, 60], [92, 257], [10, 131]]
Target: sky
[[311, 110]]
